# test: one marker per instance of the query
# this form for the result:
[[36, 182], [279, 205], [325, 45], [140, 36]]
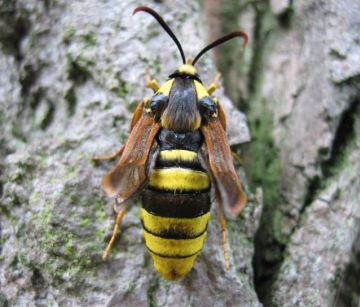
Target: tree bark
[[72, 73], [71, 76], [299, 84]]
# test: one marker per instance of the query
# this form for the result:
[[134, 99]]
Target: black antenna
[[220, 41], [164, 25]]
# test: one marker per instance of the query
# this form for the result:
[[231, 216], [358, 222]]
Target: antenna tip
[[143, 8], [245, 37], [140, 8]]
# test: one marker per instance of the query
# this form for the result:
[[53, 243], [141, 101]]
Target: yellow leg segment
[[237, 157], [115, 232], [215, 84], [109, 157], [151, 83], [224, 239]]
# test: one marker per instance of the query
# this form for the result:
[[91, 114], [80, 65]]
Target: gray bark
[[320, 161], [300, 86], [71, 75]]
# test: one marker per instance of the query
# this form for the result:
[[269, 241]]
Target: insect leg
[[151, 83], [115, 232], [224, 238], [109, 157], [215, 84], [237, 158]]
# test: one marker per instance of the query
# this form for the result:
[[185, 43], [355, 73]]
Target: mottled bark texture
[[299, 84], [71, 74]]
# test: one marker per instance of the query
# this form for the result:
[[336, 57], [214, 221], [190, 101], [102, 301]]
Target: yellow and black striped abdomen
[[175, 212]]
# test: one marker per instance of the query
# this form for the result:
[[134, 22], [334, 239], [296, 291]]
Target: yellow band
[[191, 226], [178, 154], [173, 247], [179, 179]]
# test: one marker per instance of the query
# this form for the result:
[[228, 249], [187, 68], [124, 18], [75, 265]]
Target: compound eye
[[207, 107]]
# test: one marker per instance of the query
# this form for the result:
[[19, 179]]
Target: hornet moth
[[177, 159]]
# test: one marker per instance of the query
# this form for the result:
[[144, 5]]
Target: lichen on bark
[[303, 98], [71, 76]]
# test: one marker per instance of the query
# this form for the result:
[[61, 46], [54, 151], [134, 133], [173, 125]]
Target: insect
[[176, 158]]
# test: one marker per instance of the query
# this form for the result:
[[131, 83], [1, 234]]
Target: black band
[[168, 204]]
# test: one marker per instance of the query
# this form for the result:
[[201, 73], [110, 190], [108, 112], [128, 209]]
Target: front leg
[[215, 84], [151, 83]]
